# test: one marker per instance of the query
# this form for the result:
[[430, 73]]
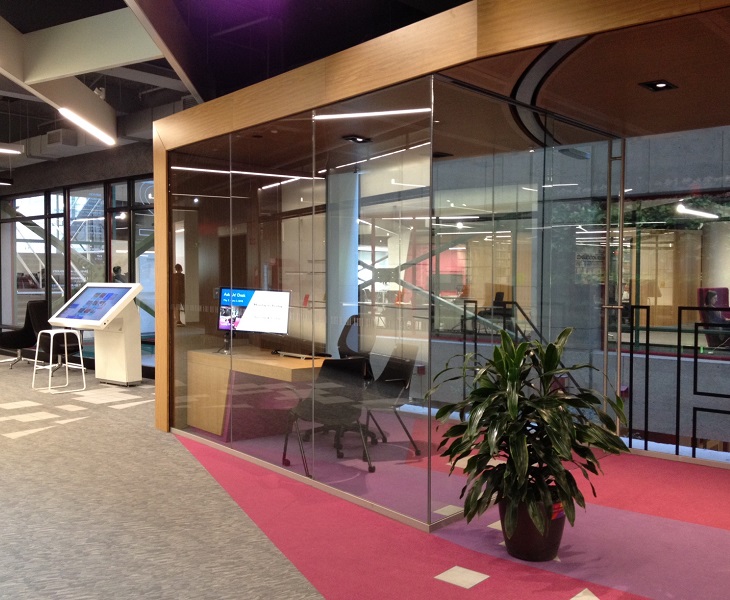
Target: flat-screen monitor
[[259, 311], [95, 305]]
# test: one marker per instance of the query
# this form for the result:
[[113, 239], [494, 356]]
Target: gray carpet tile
[[98, 504]]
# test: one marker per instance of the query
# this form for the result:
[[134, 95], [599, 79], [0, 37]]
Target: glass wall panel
[[23, 262], [57, 249], [676, 236], [144, 192], [236, 201], [118, 194], [87, 242], [339, 228], [144, 268], [511, 245], [375, 155], [119, 236]]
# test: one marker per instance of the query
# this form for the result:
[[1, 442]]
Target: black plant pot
[[527, 543]]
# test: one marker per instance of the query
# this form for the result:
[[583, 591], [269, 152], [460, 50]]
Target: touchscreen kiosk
[[109, 310], [95, 305]]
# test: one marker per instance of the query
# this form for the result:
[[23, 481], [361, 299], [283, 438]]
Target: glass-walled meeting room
[[335, 260]]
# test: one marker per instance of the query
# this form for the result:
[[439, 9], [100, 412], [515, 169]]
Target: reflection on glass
[[118, 194], [144, 257], [87, 241]]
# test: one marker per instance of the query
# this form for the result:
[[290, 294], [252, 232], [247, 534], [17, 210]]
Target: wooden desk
[[211, 379]]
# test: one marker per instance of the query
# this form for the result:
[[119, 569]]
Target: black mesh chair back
[[349, 343], [26, 336], [390, 389]]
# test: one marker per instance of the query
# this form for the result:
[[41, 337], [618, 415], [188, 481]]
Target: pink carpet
[[352, 553], [663, 488]]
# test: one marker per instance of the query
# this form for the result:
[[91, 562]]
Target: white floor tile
[[465, 578], [28, 417], [448, 510], [71, 407], [586, 594], [19, 404], [131, 404], [106, 399], [19, 434]]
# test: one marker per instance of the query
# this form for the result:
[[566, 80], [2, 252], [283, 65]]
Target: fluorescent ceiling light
[[683, 210], [255, 173], [11, 148], [6, 181], [387, 154], [271, 185], [357, 162], [377, 113], [88, 127], [414, 185], [457, 218]]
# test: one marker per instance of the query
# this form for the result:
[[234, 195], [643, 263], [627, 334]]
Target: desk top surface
[[257, 361]]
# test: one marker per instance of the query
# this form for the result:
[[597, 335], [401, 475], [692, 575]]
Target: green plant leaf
[[510, 410]]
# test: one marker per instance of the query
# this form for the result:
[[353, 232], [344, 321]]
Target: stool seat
[[52, 333]]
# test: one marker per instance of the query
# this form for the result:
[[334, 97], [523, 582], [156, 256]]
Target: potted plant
[[521, 429]]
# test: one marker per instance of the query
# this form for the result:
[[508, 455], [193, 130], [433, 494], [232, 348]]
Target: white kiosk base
[[109, 310], [118, 349]]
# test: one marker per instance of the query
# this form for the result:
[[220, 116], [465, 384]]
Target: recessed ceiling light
[[659, 85], [357, 139]]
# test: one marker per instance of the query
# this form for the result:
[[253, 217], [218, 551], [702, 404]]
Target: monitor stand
[[227, 343]]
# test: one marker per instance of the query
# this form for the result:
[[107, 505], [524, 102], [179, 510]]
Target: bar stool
[[52, 333]]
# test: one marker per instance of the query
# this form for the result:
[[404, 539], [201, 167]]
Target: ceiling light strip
[[88, 127], [378, 113], [11, 148]]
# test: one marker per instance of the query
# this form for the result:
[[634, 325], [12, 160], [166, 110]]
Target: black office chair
[[348, 344], [335, 406], [499, 311], [25, 337], [390, 390]]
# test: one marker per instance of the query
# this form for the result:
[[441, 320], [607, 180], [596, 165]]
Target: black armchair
[[36, 314]]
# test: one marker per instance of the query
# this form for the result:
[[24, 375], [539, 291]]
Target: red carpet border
[[350, 553]]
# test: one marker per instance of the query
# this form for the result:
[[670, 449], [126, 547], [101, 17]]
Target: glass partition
[[23, 237], [403, 228], [87, 241], [391, 231]]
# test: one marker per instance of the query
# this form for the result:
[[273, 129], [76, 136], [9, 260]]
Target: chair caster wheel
[[286, 462], [340, 454], [371, 469]]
